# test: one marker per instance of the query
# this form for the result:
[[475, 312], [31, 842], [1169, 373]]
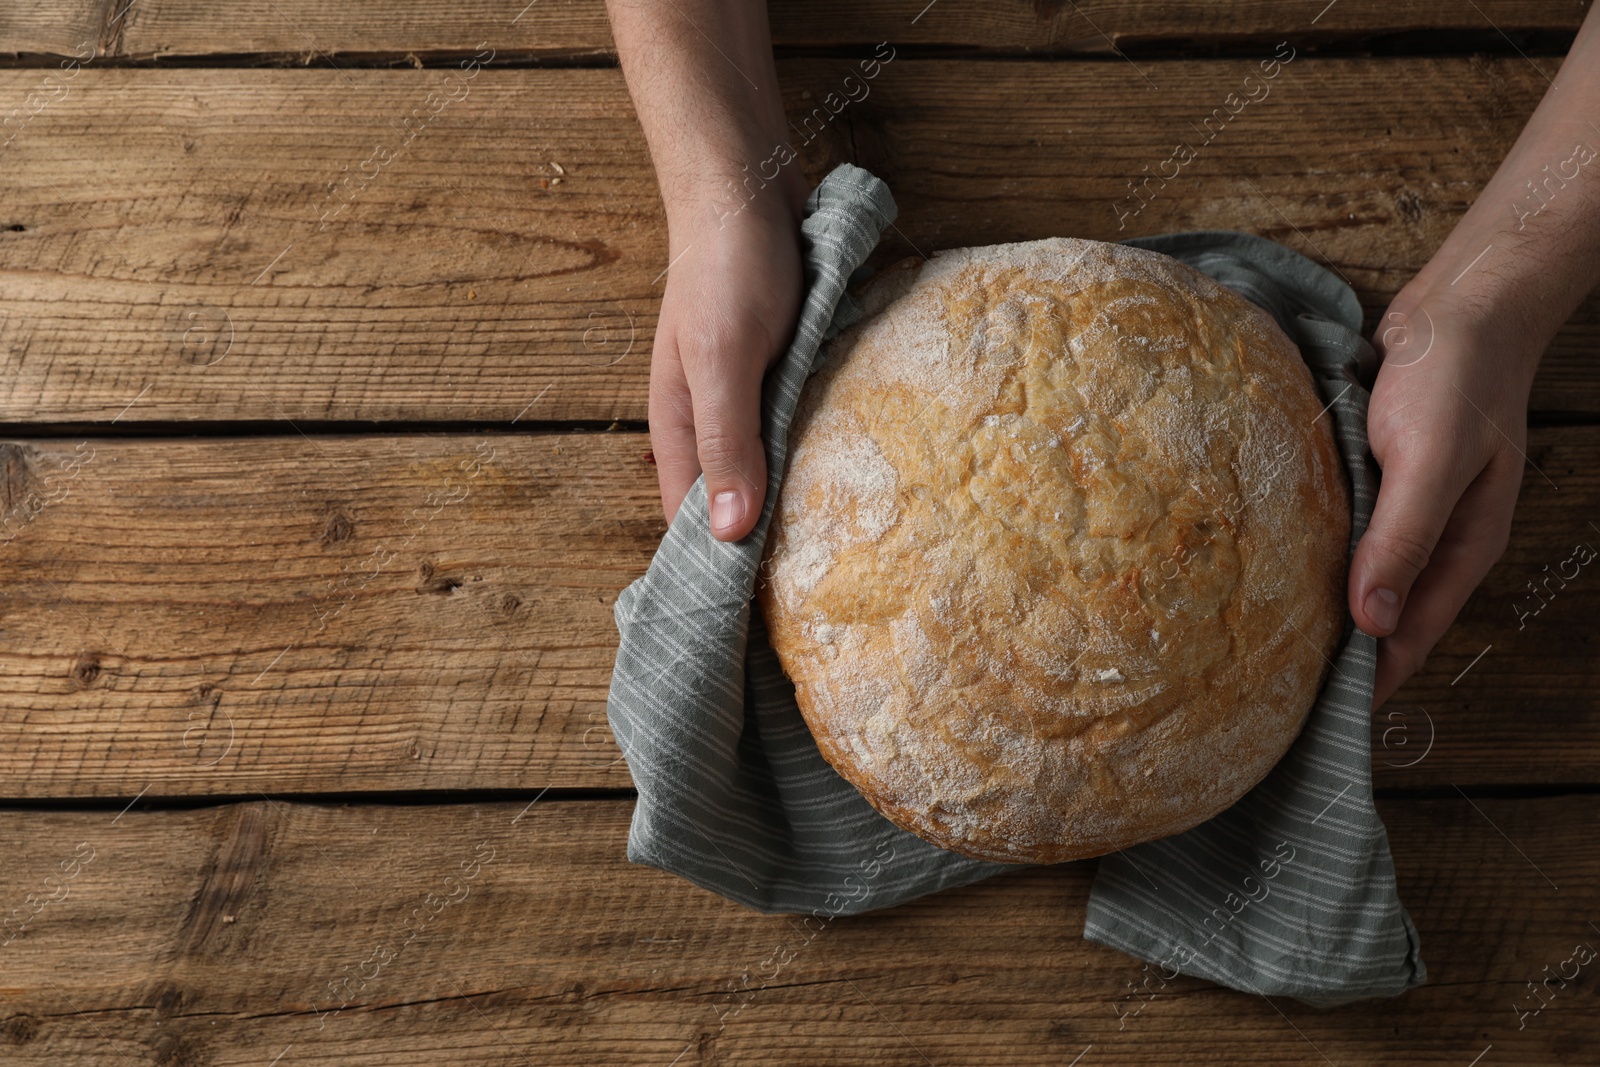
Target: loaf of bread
[[1058, 562]]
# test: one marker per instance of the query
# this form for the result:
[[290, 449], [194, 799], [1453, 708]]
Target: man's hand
[[1460, 345], [712, 116], [729, 312], [1448, 425]]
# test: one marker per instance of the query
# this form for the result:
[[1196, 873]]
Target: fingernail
[[727, 510], [1383, 606]]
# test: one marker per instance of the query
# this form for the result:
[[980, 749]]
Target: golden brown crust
[[1059, 558]]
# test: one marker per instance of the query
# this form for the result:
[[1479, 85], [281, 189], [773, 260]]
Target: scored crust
[[1058, 562]]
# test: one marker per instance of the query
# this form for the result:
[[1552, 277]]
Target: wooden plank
[[222, 616], [345, 613], [193, 224], [321, 31], [52, 27], [169, 28], [213, 249], [420, 935]]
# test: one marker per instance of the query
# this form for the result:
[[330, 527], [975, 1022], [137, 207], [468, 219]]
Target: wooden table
[[325, 355]]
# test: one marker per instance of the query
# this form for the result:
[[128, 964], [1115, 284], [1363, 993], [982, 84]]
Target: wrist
[[1512, 269], [1509, 297], [1479, 325], [760, 182], [711, 110]]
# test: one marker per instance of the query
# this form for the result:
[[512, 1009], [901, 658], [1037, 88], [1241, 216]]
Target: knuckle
[[671, 426], [722, 452], [669, 409], [1406, 445], [1409, 549], [1508, 463], [718, 343]]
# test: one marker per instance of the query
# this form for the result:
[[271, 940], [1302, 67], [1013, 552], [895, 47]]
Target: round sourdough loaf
[[1058, 562]]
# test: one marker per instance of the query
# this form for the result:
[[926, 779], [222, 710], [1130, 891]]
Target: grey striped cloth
[[1291, 891]]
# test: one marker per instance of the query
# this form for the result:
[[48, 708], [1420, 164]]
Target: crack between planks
[[409, 798], [1436, 42], [256, 428], [262, 428], [1205, 989], [149, 802]]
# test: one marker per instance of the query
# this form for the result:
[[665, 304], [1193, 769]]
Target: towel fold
[[1290, 891]]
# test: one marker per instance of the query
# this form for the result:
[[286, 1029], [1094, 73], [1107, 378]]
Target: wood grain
[[155, 29], [354, 612], [52, 27], [500, 934], [201, 245], [346, 613], [369, 612]]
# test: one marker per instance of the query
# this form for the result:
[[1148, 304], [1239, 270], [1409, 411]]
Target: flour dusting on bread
[[1059, 554]]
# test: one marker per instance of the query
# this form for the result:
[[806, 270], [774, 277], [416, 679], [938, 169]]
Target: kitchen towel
[[1291, 891]]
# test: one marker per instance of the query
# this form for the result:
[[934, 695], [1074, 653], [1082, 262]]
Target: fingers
[[729, 309], [1473, 540], [724, 369], [671, 426], [1423, 479]]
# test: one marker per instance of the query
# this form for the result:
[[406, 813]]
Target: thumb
[[725, 386], [1416, 497]]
